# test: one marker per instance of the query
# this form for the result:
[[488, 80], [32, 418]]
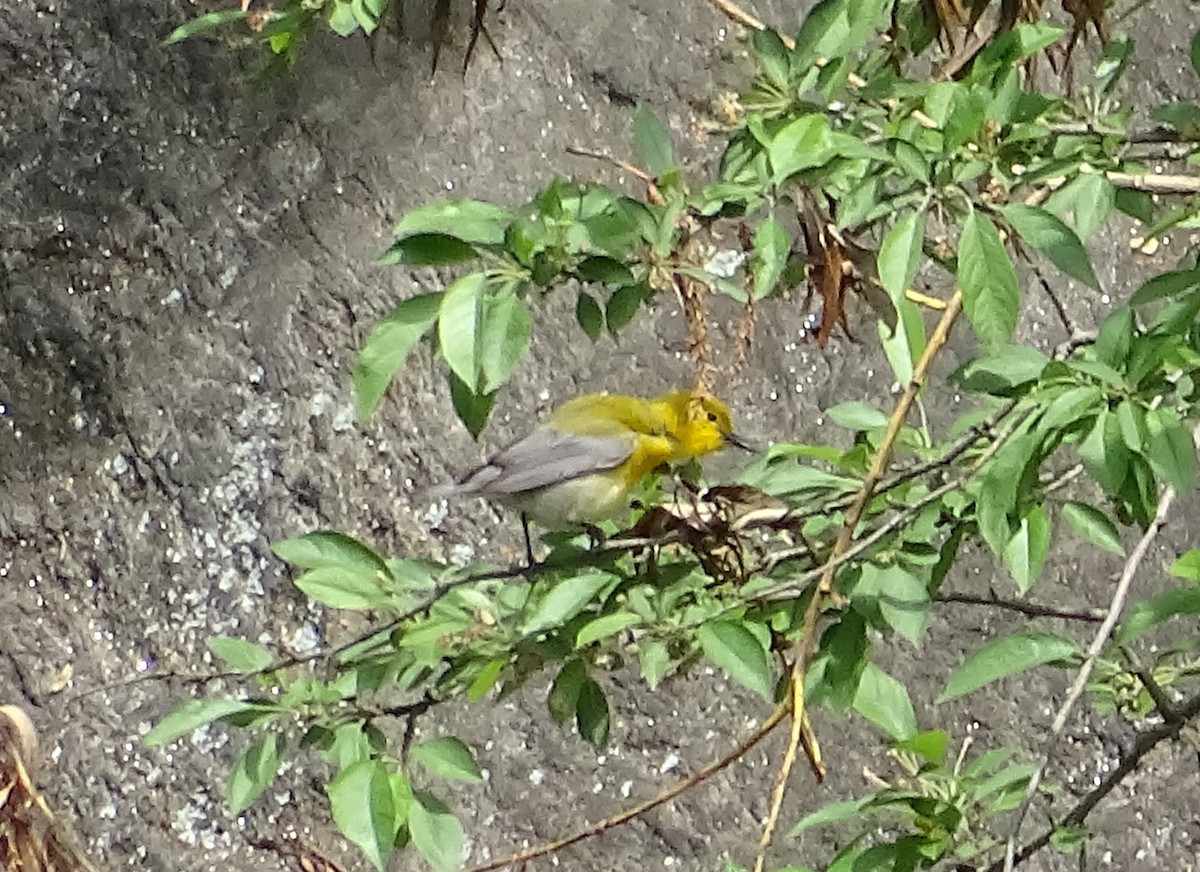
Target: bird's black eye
[[712, 416]]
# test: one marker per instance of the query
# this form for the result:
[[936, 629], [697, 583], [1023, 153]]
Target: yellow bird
[[580, 467]]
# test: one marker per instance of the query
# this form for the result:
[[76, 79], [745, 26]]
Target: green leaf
[[427, 249], [566, 600], [1094, 526], [800, 145], [769, 257], [1014, 45], [1104, 453], [963, 124], [834, 28], [563, 698], [773, 55], [1003, 371], [901, 597], [591, 714], [1026, 552], [1006, 656], [999, 488], [910, 160], [988, 281], [589, 315], [349, 745], [884, 701], [254, 771], [472, 409], [447, 757], [505, 326], [1131, 418], [605, 270], [469, 220], [1084, 202], [342, 20], [1070, 839], [900, 255], [1115, 338], [193, 715], [840, 663], [343, 588], [364, 809], [1195, 52], [241, 655], [1184, 117], [1149, 613], [202, 24], [1114, 60], [930, 745], [738, 653], [652, 140], [1187, 566], [390, 342], [486, 679], [436, 833], [1171, 450], [904, 346], [329, 548], [1045, 232], [857, 416], [1168, 284], [655, 662], [603, 627], [622, 306], [367, 19], [459, 329], [833, 813], [1073, 405]]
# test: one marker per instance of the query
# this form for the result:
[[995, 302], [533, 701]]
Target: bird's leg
[[528, 540], [595, 535]]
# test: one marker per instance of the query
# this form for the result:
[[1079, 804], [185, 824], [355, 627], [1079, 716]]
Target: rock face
[[185, 276]]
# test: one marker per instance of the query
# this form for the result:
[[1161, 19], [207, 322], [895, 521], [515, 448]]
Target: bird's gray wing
[[544, 457]]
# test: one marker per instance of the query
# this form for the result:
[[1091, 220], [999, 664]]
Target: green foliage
[[1005, 657], [281, 28], [903, 179]]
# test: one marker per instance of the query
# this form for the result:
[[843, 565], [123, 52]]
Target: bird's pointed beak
[[739, 442]]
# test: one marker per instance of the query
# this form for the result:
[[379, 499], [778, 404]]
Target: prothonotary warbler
[[579, 467]]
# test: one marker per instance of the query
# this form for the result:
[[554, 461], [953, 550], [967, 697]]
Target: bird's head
[[701, 423]]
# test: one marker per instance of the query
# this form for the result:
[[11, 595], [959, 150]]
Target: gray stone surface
[[185, 275]]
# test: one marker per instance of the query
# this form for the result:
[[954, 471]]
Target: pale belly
[[586, 500]]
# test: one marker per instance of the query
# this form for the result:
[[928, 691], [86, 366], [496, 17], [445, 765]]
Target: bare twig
[[1117, 604], [1145, 743], [624, 166], [745, 19], [1033, 610], [1165, 707], [521, 857], [806, 647], [1156, 184], [1059, 309]]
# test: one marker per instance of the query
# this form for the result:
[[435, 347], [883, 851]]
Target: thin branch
[[1059, 309], [793, 586], [1145, 743], [807, 644], [1033, 610], [522, 857], [1155, 183], [624, 166], [1101, 638], [735, 13], [1165, 707], [1153, 135]]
